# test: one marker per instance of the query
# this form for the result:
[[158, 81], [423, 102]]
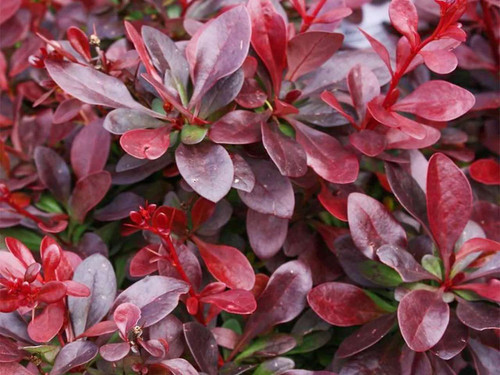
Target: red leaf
[[90, 149], [449, 204], [126, 317], [380, 49], [76, 289], [308, 51], [101, 328], [227, 264], [48, 323], [144, 262], [334, 204], [368, 142], [478, 315], [404, 263], [440, 61], [332, 101], [326, 156], [146, 143], [207, 168], [20, 251], [235, 301], [136, 39], [52, 291], [486, 171], [423, 317], [8, 301], [372, 225], [219, 50], [437, 101], [363, 86], [202, 210], [114, 352], [8, 8], [269, 39], [490, 290], [404, 18], [79, 42], [66, 111], [238, 127], [88, 192], [477, 245], [285, 152], [342, 304]]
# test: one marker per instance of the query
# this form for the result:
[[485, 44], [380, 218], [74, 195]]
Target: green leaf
[[47, 352], [27, 237], [380, 302], [287, 130], [312, 342], [157, 106], [192, 134], [433, 264], [49, 204], [380, 274]]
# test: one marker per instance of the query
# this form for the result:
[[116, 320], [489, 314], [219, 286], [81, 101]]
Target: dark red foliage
[[207, 186]]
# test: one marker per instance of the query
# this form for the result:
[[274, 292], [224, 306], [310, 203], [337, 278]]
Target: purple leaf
[[238, 127], [96, 272], [114, 352], [90, 149], [244, 179], [437, 101], [207, 168], [308, 51], [120, 207], [66, 111], [73, 354], [478, 315], [326, 156], [449, 204], [423, 317], [486, 358], [285, 152], [366, 336], [219, 50], [404, 263], [266, 233], [272, 193], [282, 300], [221, 94], [363, 86], [88, 192], [203, 346], [122, 120], [372, 225], [453, 341], [53, 172], [179, 366], [414, 363], [126, 317]]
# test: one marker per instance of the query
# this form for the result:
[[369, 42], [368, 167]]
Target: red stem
[[308, 20]]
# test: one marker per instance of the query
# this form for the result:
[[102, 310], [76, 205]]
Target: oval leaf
[[74, 354], [88, 192]]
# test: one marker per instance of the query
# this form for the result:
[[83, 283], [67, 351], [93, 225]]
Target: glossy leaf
[[326, 156], [404, 18], [272, 193], [207, 168], [308, 51], [72, 355], [486, 171], [96, 272], [363, 86], [122, 120], [266, 233], [146, 143], [371, 225], [343, 304], [90, 149], [403, 262], [219, 50], [236, 301], [478, 315], [437, 101], [423, 318], [368, 142], [88, 192], [238, 127], [47, 324], [227, 264], [202, 345], [449, 204], [453, 341]]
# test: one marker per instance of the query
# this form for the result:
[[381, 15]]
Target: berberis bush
[[249, 187]]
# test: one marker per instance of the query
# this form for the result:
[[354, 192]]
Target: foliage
[[249, 187]]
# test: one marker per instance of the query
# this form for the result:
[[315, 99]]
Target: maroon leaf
[[437, 101], [202, 210], [66, 111], [221, 94], [236, 301], [368, 142], [8, 8], [363, 86], [88, 192], [266, 233], [272, 193], [207, 168], [10, 351], [269, 38], [219, 50], [326, 156], [179, 366], [380, 49], [486, 171], [404, 18], [371, 225], [404, 263], [53, 172], [308, 51], [414, 363], [282, 300], [119, 207], [114, 352], [453, 341], [79, 42], [490, 289], [91, 86], [423, 318], [449, 204], [227, 264], [238, 127], [486, 358], [126, 317], [244, 178], [90, 149], [74, 354], [366, 336], [96, 272], [286, 153], [342, 304], [146, 143], [478, 315], [122, 120], [202, 345]]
